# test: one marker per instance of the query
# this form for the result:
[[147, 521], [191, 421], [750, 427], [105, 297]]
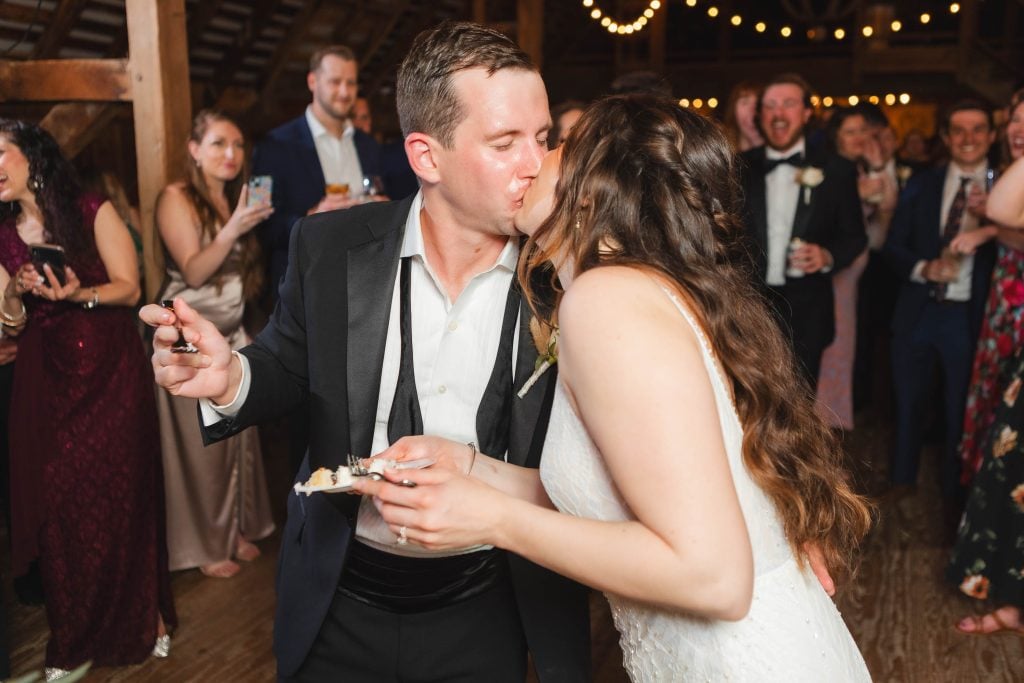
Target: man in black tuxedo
[[941, 302], [403, 318], [802, 216]]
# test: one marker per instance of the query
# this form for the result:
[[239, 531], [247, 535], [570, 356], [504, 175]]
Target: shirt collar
[[957, 172], [797, 148], [412, 242], [317, 129]]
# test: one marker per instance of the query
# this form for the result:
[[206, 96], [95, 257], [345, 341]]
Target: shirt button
[[441, 389], [453, 325]]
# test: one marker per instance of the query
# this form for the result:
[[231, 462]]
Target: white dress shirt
[[455, 345], [782, 193], [959, 289], [338, 157]]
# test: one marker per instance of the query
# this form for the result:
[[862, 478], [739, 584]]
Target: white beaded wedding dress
[[792, 633]]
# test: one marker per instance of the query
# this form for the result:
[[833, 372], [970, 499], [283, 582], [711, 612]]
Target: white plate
[[376, 466]]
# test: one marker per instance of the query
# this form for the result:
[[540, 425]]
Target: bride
[[682, 444]]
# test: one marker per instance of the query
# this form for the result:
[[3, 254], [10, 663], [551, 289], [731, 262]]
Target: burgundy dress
[[86, 480]]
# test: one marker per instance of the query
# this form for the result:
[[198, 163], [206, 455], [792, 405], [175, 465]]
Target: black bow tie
[[796, 159]]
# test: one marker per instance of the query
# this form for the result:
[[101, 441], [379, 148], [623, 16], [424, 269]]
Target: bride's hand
[[444, 510], [446, 454]]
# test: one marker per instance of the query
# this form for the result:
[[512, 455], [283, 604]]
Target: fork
[[357, 469]]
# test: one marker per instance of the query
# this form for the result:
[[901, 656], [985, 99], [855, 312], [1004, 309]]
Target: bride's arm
[[637, 375]]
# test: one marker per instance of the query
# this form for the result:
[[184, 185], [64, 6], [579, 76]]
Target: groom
[[396, 319]]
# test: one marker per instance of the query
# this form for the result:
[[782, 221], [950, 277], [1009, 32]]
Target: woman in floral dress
[[988, 558]]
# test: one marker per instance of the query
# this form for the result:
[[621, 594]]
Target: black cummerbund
[[398, 583]]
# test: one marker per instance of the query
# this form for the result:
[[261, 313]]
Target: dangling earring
[[35, 183], [198, 165], [578, 224]]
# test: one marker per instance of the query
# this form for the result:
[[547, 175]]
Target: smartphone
[[260, 190], [52, 254]]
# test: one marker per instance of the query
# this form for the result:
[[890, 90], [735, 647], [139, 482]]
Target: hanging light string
[[622, 27]]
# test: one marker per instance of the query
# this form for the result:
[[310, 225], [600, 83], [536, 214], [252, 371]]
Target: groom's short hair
[[426, 100]]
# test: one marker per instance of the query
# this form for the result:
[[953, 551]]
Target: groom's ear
[[421, 150]]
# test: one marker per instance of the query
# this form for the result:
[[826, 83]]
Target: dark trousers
[[804, 333], [478, 639], [941, 337]]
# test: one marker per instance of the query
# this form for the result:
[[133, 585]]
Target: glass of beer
[[337, 188]]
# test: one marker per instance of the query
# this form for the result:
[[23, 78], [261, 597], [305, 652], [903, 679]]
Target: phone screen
[[260, 190], [52, 254]]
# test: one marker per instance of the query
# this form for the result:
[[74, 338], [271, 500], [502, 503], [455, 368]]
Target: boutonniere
[[545, 339], [903, 174], [808, 178]]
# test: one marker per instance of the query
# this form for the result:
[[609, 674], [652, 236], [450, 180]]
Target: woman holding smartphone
[[217, 501], [86, 482]]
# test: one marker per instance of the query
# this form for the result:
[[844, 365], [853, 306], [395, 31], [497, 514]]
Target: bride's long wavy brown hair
[[646, 184]]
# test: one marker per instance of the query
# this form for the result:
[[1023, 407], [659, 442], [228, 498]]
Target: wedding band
[[402, 538]]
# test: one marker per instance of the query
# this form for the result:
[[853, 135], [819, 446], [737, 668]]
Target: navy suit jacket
[[289, 155], [916, 235], [325, 343], [832, 219]]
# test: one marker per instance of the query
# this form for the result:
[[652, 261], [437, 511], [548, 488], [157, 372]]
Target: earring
[[35, 183], [578, 224]]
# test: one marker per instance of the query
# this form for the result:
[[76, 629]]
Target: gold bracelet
[[13, 320], [472, 457]]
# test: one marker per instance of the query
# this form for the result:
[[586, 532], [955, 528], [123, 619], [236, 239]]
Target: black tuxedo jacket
[[832, 219], [325, 342], [915, 235], [288, 153]]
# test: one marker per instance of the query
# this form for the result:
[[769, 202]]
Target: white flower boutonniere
[[903, 174], [809, 177], [545, 338]]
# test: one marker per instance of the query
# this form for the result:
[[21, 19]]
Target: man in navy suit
[[402, 318], [312, 152], [802, 216], [941, 301]]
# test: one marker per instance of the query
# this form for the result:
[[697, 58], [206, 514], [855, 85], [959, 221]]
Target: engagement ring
[[402, 538]]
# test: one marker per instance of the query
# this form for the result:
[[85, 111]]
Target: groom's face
[[498, 147]]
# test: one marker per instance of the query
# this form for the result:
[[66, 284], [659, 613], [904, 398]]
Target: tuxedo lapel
[[372, 268], [309, 160], [526, 411], [804, 209], [757, 201]]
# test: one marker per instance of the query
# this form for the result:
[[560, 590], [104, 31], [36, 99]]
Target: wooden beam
[[530, 29], [157, 42], [262, 14], [65, 80], [204, 13], [383, 32], [296, 34], [25, 15], [480, 11], [76, 124], [64, 18]]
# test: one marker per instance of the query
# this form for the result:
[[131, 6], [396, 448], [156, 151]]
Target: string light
[[867, 31], [623, 27], [827, 101], [904, 98], [839, 34], [760, 27], [890, 99], [712, 11], [698, 103], [896, 25], [853, 100], [925, 18], [712, 102], [736, 20], [786, 31], [684, 103], [954, 7], [873, 99]]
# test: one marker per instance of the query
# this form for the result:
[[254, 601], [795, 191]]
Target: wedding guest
[[216, 495], [362, 117], [563, 118], [740, 121], [665, 348], [86, 479], [850, 138], [941, 301], [989, 551], [915, 152], [802, 217], [402, 318]]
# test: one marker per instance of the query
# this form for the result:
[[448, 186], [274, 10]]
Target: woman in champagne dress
[[217, 501]]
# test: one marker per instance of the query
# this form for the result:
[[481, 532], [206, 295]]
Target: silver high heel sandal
[[162, 648], [55, 674]]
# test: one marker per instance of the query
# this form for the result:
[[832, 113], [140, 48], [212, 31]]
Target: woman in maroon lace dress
[[86, 481]]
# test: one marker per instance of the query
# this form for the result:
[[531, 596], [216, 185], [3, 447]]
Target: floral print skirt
[[1002, 333], [988, 558]]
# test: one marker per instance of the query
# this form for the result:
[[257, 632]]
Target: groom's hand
[[212, 373], [445, 453], [817, 560]]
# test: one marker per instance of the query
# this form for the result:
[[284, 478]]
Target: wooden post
[[530, 29], [158, 63], [656, 49], [480, 11], [968, 35]]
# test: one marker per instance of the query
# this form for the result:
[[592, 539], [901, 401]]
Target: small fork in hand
[[357, 469]]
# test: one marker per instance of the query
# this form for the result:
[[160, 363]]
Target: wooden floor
[[899, 609]]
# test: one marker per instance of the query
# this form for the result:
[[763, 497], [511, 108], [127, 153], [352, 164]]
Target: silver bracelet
[[93, 302]]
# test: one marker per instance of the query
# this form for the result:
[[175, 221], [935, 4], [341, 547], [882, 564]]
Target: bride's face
[[539, 200]]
